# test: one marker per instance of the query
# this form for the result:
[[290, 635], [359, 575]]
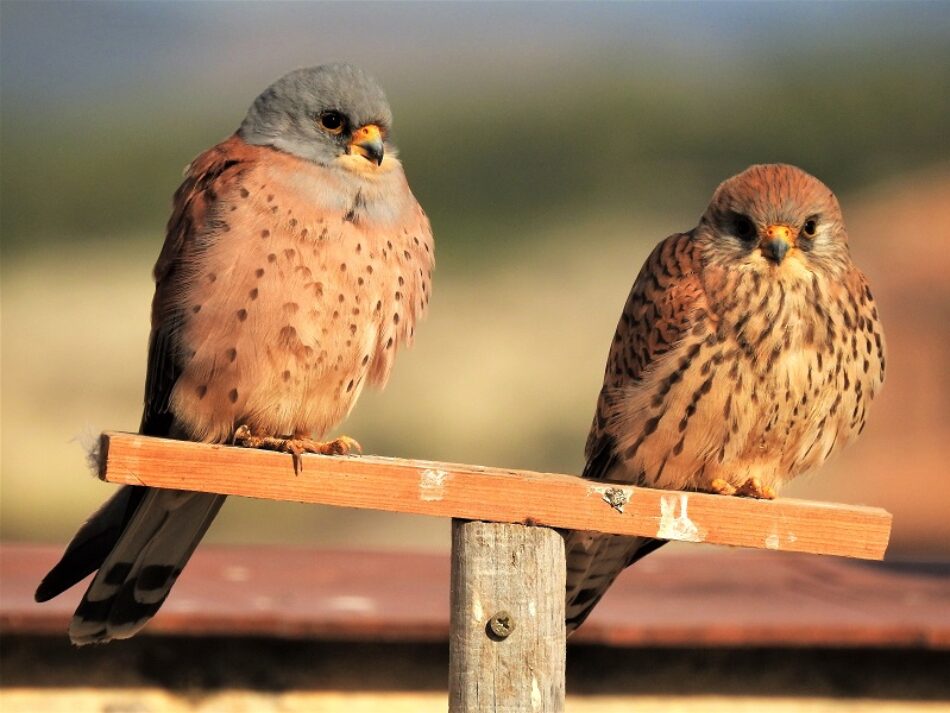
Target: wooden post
[[506, 640]]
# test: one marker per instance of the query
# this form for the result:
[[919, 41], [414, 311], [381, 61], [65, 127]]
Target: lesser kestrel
[[747, 353], [296, 262]]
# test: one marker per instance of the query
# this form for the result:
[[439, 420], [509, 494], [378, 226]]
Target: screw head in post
[[500, 625]]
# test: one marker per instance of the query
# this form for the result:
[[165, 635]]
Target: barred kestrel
[[748, 352], [296, 263]]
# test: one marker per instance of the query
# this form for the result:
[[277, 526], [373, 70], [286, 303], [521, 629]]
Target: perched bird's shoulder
[[857, 283], [667, 303], [670, 279], [227, 154], [212, 173]]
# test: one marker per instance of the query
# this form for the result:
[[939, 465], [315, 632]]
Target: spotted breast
[[290, 306]]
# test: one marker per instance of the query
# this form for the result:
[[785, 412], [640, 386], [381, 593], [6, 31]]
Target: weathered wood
[[506, 640], [499, 495]]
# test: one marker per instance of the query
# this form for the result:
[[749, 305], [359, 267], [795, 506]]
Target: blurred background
[[552, 146]]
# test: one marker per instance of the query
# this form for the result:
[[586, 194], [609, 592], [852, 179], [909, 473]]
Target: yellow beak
[[777, 241], [367, 141]]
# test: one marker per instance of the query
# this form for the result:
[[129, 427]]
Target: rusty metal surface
[[708, 597]]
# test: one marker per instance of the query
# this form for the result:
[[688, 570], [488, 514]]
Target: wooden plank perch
[[499, 495], [507, 635]]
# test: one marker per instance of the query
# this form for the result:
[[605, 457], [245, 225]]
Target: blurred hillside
[[552, 146], [508, 117]]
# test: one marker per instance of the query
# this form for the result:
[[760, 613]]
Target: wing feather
[[209, 175], [665, 304]]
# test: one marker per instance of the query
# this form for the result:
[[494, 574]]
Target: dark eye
[[332, 121], [744, 228], [810, 228]]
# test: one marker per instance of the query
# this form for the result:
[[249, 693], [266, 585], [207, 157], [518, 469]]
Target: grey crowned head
[[320, 114]]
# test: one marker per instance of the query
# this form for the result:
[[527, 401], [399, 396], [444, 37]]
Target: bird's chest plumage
[[292, 307], [778, 374], [766, 386], [812, 358]]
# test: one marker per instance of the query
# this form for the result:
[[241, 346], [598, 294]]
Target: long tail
[[593, 563], [139, 541]]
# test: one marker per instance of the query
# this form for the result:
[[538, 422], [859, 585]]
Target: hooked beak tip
[[778, 240], [368, 143], [776, 249], [370, 150]]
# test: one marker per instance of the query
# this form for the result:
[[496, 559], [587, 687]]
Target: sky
[[55, 52]]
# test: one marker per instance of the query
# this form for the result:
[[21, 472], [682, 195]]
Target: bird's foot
[[722, 487], [754, 488], [340, 446], [751, 488], [296, 445]]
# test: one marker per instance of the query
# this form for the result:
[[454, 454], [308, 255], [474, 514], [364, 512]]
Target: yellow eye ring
[[810, 229], [333, 121]]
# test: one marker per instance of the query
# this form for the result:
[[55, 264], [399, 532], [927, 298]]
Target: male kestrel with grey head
[[747, 353], [296, 262]]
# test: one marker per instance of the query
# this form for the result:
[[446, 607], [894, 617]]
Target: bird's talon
[[344, 446], [722, 487], [245, 439], [753, 488]]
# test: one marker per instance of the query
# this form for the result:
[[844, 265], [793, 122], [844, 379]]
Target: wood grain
[[499, 495], [507, 636]]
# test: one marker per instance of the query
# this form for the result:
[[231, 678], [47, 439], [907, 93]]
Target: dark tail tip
[[57, 581], [43, 593]]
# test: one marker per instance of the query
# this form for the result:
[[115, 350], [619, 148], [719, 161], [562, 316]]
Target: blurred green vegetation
[[489, 165]]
